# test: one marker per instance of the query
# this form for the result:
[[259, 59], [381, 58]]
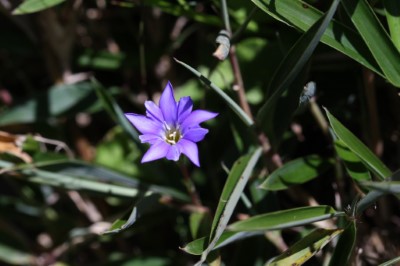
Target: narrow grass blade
[[376, 38], [78, 176], [392, 9], [114, 110], [231, 103], [285, 219], [31, 6], [354, 166], [356, 146], [290, 68], [305, 248], [302, 16], [230, 196], [148, 203], [377, 192], [196, 247], [391, 262], [345, 246], [297, 172]]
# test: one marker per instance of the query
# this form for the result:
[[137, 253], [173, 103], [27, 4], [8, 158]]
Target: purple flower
[[171, 128]]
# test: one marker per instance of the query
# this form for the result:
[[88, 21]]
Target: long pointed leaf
[[231, 103], [345, 246], [233, 188], [340, 37], [376, 38], [305, 248], [356, 146], [291, 67], [296, 172], [285, 219]]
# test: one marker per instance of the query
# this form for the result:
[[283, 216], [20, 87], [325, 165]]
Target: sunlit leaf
[[376, 38], [237, 180], [285, 219], [196, 247], [354, 166], [337, 35], [305, 248], [359, 148], [297, 172], [31, 6]]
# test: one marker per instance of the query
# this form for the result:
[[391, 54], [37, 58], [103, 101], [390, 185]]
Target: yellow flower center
[[172, 136]]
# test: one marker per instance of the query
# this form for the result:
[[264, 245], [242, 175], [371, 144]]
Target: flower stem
[[190, 185]]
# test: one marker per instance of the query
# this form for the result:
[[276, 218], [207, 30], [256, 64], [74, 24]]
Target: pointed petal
[[156, 151], [144, 124], [185, 106], [190, 150], [150, 138], [196, 117], [173, 153], [195, 134], [168, 105], [153, 111]]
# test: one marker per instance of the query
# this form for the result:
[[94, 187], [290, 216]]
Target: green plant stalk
[[392, 9], [231, 103]]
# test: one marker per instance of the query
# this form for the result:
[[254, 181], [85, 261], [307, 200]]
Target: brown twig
[[189, 185]]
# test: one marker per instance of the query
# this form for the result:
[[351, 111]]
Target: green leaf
[[58, 100], [231, 103], [13, 256], [286, 218], [288, 71], [390, 262], [31, 6], [149, 203], [82, 176], [379, 189], [103, 60], [357, 147], [376, 38], [354, 166], [345, 246], [113, 109], [297, 172], [196, 247], [305, 248], [392, 187], [340, 37], [237, 180], [392, 9]]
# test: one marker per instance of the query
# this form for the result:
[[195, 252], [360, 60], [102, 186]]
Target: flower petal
[[190, 150], [173, 153], [195, 134], [168, 105], [156, 151], [185, 106], [144, 124], [153, 111], [149, 138], [196, 117]]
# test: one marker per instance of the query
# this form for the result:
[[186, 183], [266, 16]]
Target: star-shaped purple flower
[[171, 128]]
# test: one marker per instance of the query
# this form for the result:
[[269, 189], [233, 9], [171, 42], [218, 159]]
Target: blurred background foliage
[[70, 163]]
